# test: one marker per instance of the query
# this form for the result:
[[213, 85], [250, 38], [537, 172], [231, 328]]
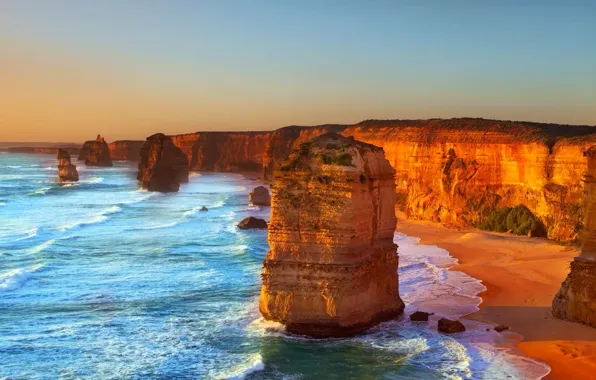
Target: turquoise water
[[99, 280]]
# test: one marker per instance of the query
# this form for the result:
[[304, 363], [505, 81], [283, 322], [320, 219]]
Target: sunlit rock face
[[96, 153], [576, 300], [126, 150], [453, 171], [67, 172], [332, 267], [163, 166], [259, 196]]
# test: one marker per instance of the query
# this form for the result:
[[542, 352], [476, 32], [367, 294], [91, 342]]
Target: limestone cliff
[[41, 150], [332, 267], [576, 300], [454, 171], [66, 170], [126, 150], [96, 153], [163, 166]]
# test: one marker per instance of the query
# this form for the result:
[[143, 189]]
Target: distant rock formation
[[42, 150], [450, 327], [66, 170], [576, 300], [96, 153], [332, 267], [203, 209], [126, 150], [163, 166], [259, 196], [252, 223]]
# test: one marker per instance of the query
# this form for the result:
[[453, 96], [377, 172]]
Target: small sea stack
[[576, 300], [96, 153], [163, 166], [67, 172], [332, 267], [259, 196], [252, 223]]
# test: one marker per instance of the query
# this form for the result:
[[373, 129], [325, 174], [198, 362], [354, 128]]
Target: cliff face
[[41, 150], [96, 153], [163, 166], [66, 170], [332, 267], [126, 150], [576, 300], [454, 171]]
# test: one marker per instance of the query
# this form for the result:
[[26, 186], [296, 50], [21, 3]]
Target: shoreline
[[521, 275]]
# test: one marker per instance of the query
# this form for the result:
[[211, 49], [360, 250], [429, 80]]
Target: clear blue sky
[[130, 68]]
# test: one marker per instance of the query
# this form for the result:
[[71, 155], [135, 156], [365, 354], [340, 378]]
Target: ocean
[[100, 280]]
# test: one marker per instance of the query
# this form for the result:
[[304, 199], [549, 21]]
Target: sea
[[102, 280]]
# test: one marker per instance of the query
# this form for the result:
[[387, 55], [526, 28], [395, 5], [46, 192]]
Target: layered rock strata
[[332, 267], [163, 166], [259, 196], [453, 171], [96, 153], [576, 300], [126, 150], [66, 170]]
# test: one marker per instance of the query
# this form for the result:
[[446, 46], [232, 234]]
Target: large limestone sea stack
[[67, 172], [96, 153], [332, 267], [576, 300], [163, 166]]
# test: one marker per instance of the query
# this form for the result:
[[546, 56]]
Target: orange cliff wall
[[450, 171]]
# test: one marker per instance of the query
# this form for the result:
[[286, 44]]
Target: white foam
[[42, 191], [101, 217], [253, 364], [30, 233], [194, 210], [93, 180], [16, 278]]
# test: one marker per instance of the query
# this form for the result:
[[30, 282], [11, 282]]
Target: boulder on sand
[[449, 327]]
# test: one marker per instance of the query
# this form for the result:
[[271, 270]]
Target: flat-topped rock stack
[[332, 267], [163, 166], [67, 172], [576, 300], [96, 153]]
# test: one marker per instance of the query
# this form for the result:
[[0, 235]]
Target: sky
[[127, 69]]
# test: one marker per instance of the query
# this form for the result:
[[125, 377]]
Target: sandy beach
[[522, 275]]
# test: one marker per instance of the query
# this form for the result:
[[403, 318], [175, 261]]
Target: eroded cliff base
[[576, 300]]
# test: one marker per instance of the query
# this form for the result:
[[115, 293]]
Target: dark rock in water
[[252, 223], [448, 326], [259, 196], [204, 209], [420, 316], [96, 153], [501, 328], [66, 170], [163, 166]]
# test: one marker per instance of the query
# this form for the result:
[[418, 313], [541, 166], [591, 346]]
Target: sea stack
[[332, 267], [67, 172], [96, 153], [163, 166], [576, 300], [259, 196]]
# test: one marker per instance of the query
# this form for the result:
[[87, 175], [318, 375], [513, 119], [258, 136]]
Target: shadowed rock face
[[332, 267], [126, 150], [96, 153], [259, 196], [66, 170], [163, 166], [576, 300]]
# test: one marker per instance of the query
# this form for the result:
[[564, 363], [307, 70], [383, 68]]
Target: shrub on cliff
[[519, 220]]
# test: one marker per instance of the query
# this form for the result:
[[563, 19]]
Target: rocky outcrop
[[576, 300], [96, 153], [67, 172], [419, 316], [163, 166], [259, 196], [455, 171], [332, 267], [449, 326], [252, 223], [126, 150]]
